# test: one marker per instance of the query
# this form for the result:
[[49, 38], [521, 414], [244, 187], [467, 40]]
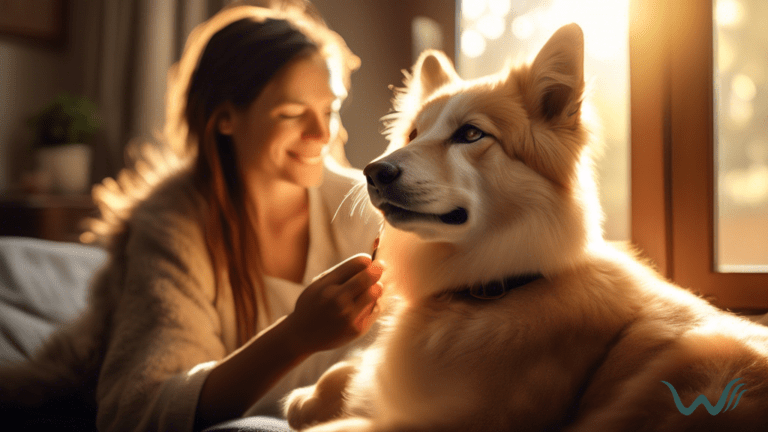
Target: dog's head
[[492, 163]]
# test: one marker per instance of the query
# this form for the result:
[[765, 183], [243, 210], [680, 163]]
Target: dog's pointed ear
[[432, 70], [556, 79]]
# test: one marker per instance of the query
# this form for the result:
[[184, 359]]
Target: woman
[[201, 314]]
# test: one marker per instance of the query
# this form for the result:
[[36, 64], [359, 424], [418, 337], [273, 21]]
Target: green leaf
[[66, 119]]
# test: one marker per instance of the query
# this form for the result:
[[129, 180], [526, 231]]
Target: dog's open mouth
[[396, 214]]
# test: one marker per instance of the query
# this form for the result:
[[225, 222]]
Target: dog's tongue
[[456, 217]]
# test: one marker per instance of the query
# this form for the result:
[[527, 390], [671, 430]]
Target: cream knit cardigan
[[152, 331]]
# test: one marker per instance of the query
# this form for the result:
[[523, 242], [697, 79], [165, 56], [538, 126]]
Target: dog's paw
[[302, 408], [322, 402]]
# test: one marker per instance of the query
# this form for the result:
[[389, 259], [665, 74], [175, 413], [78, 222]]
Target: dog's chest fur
[[467, 353]]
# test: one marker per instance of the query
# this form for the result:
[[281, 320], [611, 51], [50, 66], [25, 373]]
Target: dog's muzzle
[[394, 202]]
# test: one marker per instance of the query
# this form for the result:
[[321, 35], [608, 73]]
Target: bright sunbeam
[[604, 23], [472, 43], [729, 13]]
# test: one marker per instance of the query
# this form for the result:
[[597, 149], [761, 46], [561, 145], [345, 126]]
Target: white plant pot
[[67, 166]]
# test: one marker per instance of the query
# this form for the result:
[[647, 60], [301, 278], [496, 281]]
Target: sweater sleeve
[[165, 332]]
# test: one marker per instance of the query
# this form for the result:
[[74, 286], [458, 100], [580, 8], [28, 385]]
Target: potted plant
[[62, 132]]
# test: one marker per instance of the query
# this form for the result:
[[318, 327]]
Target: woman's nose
[[318, 128]]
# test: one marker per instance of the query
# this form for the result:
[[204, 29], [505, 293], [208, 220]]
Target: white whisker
[[360, 191], [355, 195]]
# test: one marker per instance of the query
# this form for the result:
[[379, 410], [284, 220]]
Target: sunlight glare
[[726, 55], [743, 87], [729, 13], [472, 43], [601, 21], [491, 26], [472, 9], [523, 27], [500, 8], [748, 186]]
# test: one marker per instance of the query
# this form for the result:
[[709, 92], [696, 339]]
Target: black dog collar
[[496, 289]]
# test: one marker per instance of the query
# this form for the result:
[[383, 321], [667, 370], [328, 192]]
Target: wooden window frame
[[672, 151]]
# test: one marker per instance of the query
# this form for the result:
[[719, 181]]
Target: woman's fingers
[[359, 283], [342, 272], [368, 306], [338, 306], [369, 296]]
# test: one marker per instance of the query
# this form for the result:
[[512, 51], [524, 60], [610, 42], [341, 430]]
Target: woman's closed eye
[[291, 110], [291, 114], [295, 113]]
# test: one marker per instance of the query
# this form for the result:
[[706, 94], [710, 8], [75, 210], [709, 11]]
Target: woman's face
[[285, 132]]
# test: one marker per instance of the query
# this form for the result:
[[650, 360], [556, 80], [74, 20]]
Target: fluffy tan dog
[[509, 310]]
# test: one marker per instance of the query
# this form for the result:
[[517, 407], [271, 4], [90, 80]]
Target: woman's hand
[[337, 306], [332, 311]]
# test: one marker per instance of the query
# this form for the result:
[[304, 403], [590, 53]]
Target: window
[[673, 182], [741, 136]]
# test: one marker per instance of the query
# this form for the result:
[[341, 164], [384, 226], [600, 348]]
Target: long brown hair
[[238, 60]]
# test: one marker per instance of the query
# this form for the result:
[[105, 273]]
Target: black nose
[[381, 173]]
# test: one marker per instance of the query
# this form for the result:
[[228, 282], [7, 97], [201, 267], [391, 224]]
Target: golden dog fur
[[583, 348]]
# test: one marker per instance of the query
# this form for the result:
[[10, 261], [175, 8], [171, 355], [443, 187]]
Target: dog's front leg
[[323, 401]]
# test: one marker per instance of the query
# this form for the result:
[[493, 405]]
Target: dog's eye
[[412, 135], [467, 134]]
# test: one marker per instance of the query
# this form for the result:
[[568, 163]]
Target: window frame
[[672, 151]]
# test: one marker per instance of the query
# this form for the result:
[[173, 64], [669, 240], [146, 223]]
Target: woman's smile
[[307, 159]]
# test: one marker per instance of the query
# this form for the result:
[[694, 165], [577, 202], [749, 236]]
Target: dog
[[507, 309]]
